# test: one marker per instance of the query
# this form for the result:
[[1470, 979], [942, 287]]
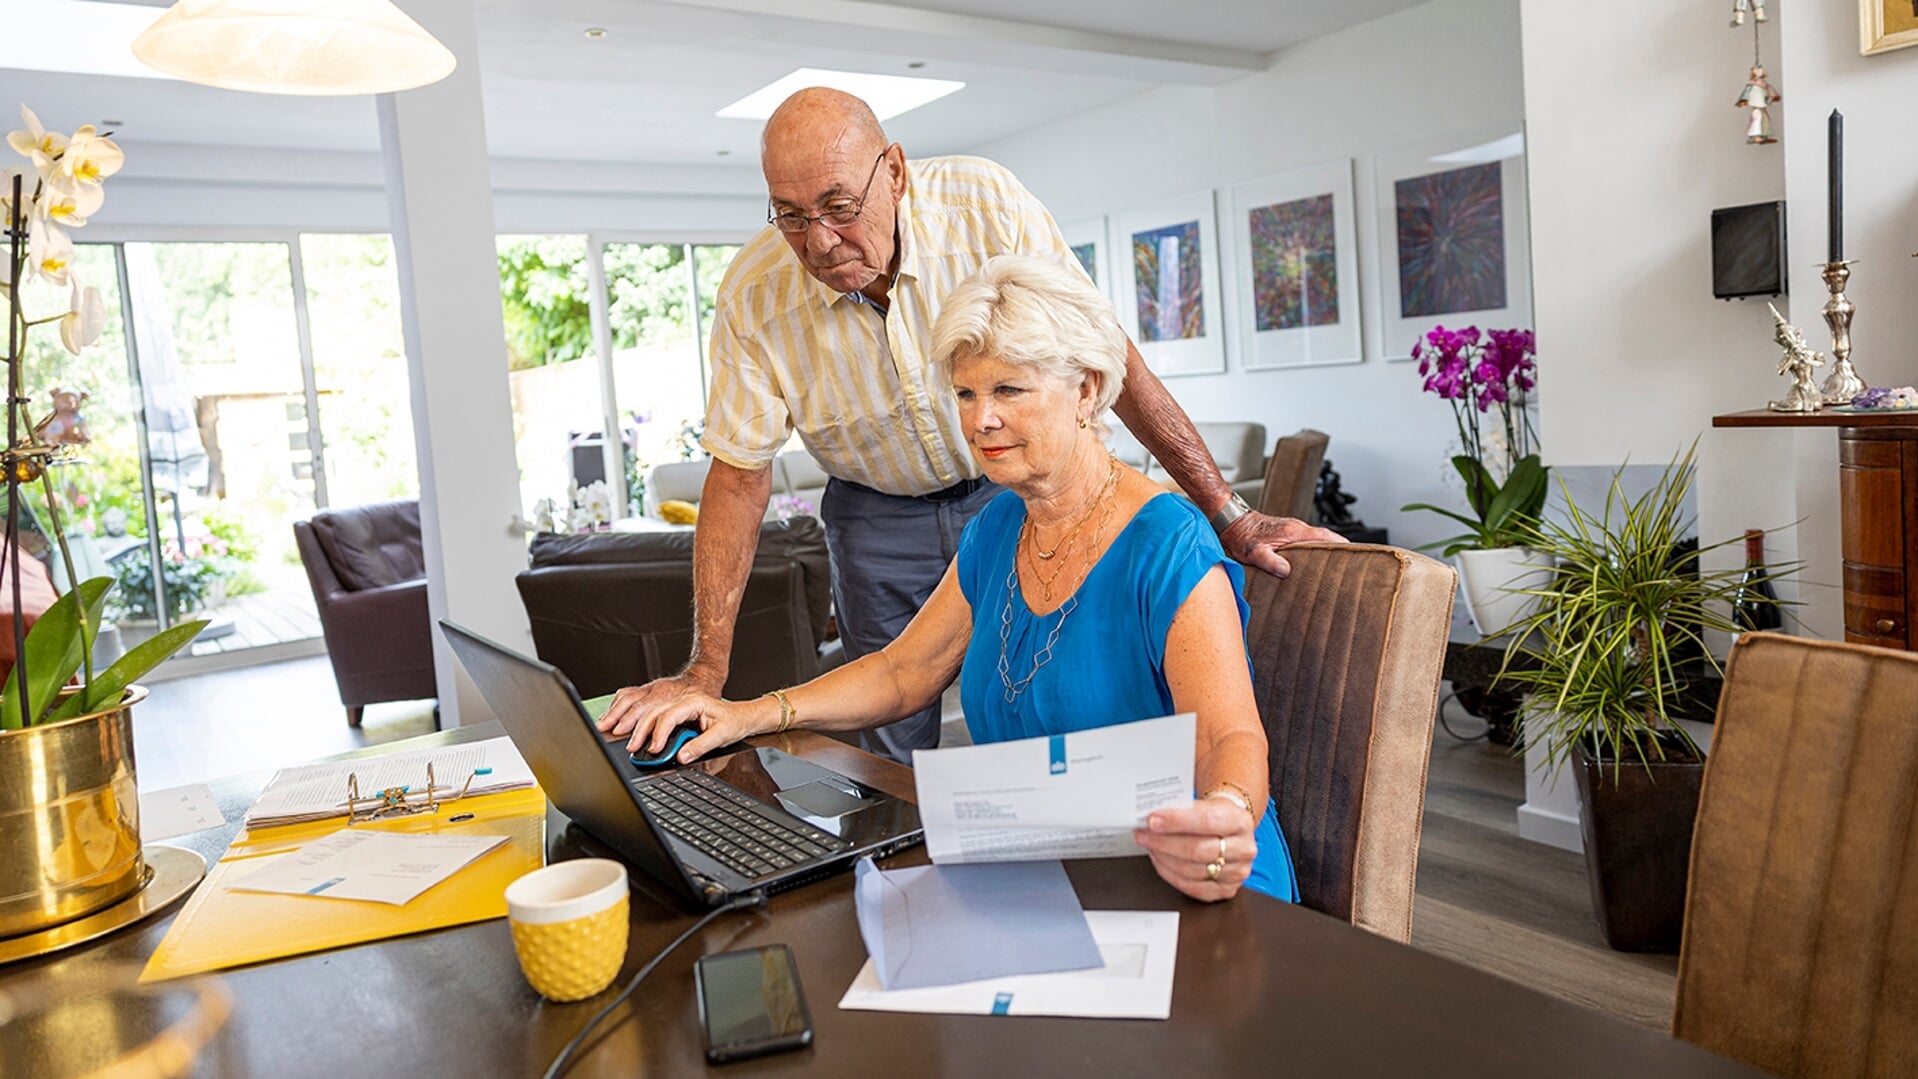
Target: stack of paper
[[318, 791]]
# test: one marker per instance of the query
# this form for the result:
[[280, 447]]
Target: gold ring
[[1222, 849], [1212, 869]]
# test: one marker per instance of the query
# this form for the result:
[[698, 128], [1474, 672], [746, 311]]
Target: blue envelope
[[939, 925]]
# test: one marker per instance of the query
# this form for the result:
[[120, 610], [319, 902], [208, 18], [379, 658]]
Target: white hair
[[1035, 313]]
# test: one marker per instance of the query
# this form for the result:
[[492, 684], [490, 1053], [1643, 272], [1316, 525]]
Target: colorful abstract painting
[[1295, 273], [1088, 256], [1451, 228], [1170, 283]]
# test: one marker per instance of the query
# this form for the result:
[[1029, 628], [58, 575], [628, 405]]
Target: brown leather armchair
[[369, 584], [1346, 655], [615, 609]]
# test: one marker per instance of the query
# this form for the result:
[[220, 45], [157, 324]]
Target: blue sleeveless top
[[1107, 649]]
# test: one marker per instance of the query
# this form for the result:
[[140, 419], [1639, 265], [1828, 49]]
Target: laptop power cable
[[755, 900]]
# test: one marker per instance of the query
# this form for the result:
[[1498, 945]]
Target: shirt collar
[[908, 247]]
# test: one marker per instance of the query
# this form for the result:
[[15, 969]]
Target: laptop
[[741, 820]]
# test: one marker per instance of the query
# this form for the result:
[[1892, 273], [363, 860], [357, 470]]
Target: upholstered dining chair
[[1800, 951], [1346, 655], [1292, 475]]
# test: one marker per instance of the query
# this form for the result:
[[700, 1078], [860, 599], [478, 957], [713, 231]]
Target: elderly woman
[[1084, 596]]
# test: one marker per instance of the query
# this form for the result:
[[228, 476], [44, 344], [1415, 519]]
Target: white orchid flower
[[70, 204], [90, 158], [36, 143], [83, 325], [49, 252]]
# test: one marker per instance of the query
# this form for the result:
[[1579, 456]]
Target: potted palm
[[71, 843], [1613, 654], [1505, 482]]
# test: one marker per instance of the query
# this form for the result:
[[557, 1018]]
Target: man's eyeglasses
[[838, 214]]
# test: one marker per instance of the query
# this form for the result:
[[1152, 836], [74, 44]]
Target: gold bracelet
[[1234, 793], [786, 712]]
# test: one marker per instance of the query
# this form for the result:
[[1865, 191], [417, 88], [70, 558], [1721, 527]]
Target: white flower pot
[[1494, 582]]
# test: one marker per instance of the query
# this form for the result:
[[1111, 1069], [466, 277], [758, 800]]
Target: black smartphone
[[750, 1003]]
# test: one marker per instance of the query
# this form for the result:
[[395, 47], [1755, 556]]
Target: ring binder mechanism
[[400, 801]]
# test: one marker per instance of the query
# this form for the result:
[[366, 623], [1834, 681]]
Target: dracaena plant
[[39, 205], [1505, 482], [1617, 638]]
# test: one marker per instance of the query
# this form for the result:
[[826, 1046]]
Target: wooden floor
[[1519, 909], [1486, 898], [281, 614]]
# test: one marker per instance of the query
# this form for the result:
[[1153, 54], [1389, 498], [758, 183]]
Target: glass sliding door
[[557, 416], [99, 490], [659, 307], [228, 444], [359, 368]]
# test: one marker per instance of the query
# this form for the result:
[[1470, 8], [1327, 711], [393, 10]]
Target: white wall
[[1823, 71], [1375, 88]]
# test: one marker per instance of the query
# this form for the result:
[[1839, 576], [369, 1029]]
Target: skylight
[[80, 38], [889, 95]]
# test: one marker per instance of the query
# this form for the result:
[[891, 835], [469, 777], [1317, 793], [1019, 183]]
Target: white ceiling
[[648, 91]]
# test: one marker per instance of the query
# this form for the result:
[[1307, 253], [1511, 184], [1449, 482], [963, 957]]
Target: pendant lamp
[[311, 47]]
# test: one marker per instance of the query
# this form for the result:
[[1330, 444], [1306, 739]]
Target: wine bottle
[[1755, 603]]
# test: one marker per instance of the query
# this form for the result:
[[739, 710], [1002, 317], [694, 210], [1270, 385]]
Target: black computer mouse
[[670, 754]]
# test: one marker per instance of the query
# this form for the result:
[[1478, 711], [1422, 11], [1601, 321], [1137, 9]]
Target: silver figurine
[[1798, 361]]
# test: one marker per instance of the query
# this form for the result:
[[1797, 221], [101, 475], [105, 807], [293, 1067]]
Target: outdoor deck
[[276, 616]]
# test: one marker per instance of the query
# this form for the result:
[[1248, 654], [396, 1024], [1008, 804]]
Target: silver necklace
[[1039, 658]]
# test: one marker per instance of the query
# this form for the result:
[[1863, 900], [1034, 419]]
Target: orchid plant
[[1505, 482], [63, 188]]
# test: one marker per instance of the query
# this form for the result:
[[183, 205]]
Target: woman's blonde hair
[[1034, 313]]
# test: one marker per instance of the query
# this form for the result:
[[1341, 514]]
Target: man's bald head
[[819, 116], [824, 151]]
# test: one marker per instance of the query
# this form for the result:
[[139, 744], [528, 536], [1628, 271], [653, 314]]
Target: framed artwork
[[1884, 25], [1296, 266], [1087, 240], [1168, 285], [1455, 249]]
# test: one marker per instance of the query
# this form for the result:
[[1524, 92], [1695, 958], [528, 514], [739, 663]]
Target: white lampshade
[[294, 46]]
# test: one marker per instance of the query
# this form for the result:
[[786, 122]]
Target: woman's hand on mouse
[[719, 722]]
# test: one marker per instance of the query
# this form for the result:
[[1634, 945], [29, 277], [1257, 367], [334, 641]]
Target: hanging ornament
[[1758, 96]]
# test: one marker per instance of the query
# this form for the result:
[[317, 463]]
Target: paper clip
[[400, 801]]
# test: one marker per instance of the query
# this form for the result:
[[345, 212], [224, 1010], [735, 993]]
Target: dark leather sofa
[[615, 609], [369, 584]]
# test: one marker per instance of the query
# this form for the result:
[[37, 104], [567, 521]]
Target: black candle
[[1835, 180]]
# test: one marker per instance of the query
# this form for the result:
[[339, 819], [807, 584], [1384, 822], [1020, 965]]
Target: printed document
[[178, 810], [1076, 795], [384, 867], [317, 791], [1140, 948]]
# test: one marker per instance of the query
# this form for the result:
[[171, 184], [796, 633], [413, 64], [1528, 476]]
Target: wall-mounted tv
[[1748, 251]]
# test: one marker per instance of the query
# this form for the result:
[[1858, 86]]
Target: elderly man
[[832, 340]]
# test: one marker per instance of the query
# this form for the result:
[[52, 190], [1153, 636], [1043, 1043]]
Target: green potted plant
[[1505, 482], [1613, 654], [67, 788]]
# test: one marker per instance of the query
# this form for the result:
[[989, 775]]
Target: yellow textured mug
[[569, 926]]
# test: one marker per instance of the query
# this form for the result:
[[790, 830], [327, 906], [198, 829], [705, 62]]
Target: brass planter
[[69, 818]]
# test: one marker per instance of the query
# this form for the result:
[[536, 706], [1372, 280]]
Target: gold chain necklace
[[1103, 503], [1029, 533]]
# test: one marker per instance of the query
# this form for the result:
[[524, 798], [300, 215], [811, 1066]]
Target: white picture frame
[[1449, 195], [1186, 337], [1090, 235], [1302, 310]]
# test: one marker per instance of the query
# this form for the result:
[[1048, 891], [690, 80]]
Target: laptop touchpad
[[817, 799]]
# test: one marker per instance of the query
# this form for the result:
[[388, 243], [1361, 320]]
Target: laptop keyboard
[[720, 821]]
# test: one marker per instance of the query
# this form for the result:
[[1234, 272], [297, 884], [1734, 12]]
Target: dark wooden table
[[1878, 499], [1262, 988]]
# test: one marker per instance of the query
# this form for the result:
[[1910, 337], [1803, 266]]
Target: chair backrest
[[615, 609], [1800, 953], [1346, 654], [369, 546], [1292, 476]]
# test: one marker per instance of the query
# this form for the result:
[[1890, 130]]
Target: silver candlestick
[[1843, 383]]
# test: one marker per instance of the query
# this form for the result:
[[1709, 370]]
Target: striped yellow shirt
[[863, 392]]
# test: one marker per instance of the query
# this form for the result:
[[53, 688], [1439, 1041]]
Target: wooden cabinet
[[1878, 495]]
